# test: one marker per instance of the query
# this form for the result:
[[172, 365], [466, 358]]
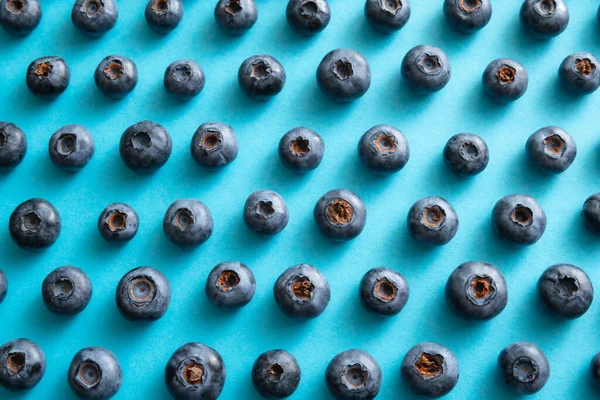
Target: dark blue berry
[[118, 223], [384, 291], [236, 16], [519, 219], [384, 149], [579, 72], [3, 286], [566, 290], [145, 146], [48, 77], [163, 16], [266, 213], [430, 370], [95, 374], [230, 284], [302, 291], [426, 69], [35, 224], [143, 294], [13, 146], [524, 367], [551, 150], [505, 80], [20, 17], [184, 79], [468, 15], [433, 221], [466, 154], [591, 212], [387, 16], [340, 215], [301, 150], [276, 374], [214, 145], [308, 17], [94, 17], [188, 223], [354, 375], [344, 75], [71, 147], [67, 290], [261, 77], [22, 365], [544, 19], [116, 76], [595, 367]]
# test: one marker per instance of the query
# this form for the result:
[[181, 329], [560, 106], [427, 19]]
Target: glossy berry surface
[[524, 367], [163, 16], [302, 291], [384, 149], [236, 16], [3, 286], [580, 73], [67, 290], [71, 147], [214, 145], [353, 375], [432, 221], [184, 79], [261, 77], [468, 16], [116, 76], [340, 215], [145, 146], [48, 77], [430, 369], [387, 16], [230, 284], [519, 219], [195, 371], [22, 365], [344, 75], [384, 291], [466, 154], [308, 17], [94, 17], [301, 150], [505, 80], [591, 212], [551, 150], [20, 17], [118, 223], [13, 146], [276, 374], [35, 224], [426, 69], [188, 223], [266, 213], [544, 19], [95, 373], [566, 290], [143, 294]]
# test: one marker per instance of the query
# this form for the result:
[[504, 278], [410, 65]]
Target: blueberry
[[544, 19], [163, 16], [476, 291], [468, 15], [48, 77], [195, 371], [301, 150], [266, 213], [430, 370], [384, 291], [143, 294], [214, 145], [95, 374], [236, 16], [580, 72], [302, 291], [71, 147], [145, 146], [67, 290], [353, 375], [13, 146], [94, 17], [426, 69], [188, 223], [551, 150], [466, 154], [433, 221], [22, 365], [595, 367], [505, 80], [118, 223], [184, 79], [340, 215], [35, 224], [261, 77], [524, 367], [344, 75], [231, 285], [276, 374], [591, 212], [384, 149], [3, 286], [116, 76], [519, 219], [308, 17], [566, 290], [387, 16], [20, 17]]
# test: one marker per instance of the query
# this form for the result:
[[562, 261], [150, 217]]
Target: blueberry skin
[[195, 371], [519, 219], [236, 16], [432, 221], [551, 150], [67, 290], [266, 213], [384, 291], [384, 149], [116, 76], [579, 72], [340, 215], [22, 365], [214, 145], [505, 80], [71, 148], [302, 291], [151, 306], [188, 223], [387, 16], [20, 18], [301, 150], [276, 374], [544, 19], [102, 366], [476, 291], [591, 212], [3, 286], [308, 17], [13, 146], [566, 290], [595, 367], [468, 18], [184, 79], [230, 284], [466, 154], [353, 375], [426, 69], [163, 16], [344, 75], [520, 358], [94, 18], [430, 370], [145, 146], [35, 224], [261, 77], [48, 77], [118, 223]]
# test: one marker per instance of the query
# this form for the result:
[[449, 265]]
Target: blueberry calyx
[[429, 366]]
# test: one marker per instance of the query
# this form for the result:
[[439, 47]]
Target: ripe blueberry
[[276, 374], [551, 150], [591, 212], [13, 146], [468, 15], [145, 146], [301, 150], [143, 293], [544, 19], [505, 80], [214, 145], [94, 17], [20, 17], [236, 16], [308, 17], [163, 16], [266, 213], [35, 224], [580, 73], [426, 69], [116, 76], [384, 291], [22, 365], [344, 75], [95, 374], [466, 154], [261, 77], [184, 79], [71, 147], [188, 223], [230, 284], [67, 290], [340, 215], [595, 367], [353, 375], [524, 367], [519, 219], [48, 77], [384, 149], [566, 290], [433, 221], [430, 369], [3, 286], [387, 16], [118, 223], [302, 291]]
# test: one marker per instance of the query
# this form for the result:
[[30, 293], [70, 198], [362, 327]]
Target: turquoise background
[[143, 349]]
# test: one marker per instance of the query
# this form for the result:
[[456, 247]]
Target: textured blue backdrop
[[428, 122]]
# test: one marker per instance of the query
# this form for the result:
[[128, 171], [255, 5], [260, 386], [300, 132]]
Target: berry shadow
[[215, 40], [578, 228], [116, 327], [548, 327], [519, 41], [319, 108], [278, 325], [75, 43], [242, 106], [446, 37], [523, 177], [412, 104], [484, 108], [45, 321], [283, 178], [166, 107], [294, 42], [368, 38]]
